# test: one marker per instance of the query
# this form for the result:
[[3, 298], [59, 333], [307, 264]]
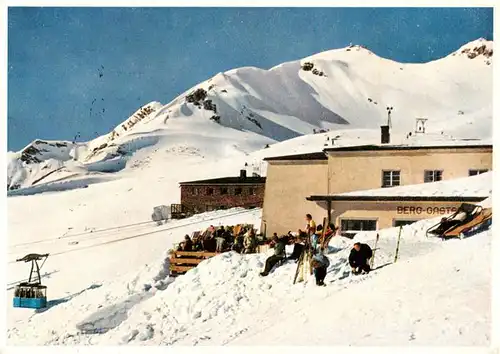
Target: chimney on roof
[[243, 173], [385, 136]]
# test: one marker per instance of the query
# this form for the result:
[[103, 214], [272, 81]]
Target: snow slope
[[224, 301], [242, 110]]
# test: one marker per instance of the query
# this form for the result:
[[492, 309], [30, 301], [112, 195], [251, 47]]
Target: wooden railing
[[181, 261]]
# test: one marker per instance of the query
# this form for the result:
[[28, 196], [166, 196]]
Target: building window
[[398, 223], [210, 191], [476, 172], [251, 191], [391, 178], [195, 191], [349, 228], [223, 190], [432, 176], [237, 191]]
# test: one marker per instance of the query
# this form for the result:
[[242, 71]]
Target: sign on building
[[413, 210]]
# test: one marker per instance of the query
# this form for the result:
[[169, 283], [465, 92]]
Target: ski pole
[[397, 246]]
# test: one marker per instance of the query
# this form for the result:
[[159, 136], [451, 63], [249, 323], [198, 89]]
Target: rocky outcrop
[[308, 66], [199, 99], [478, 51]]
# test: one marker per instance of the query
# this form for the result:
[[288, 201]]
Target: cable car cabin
[[31, 294]]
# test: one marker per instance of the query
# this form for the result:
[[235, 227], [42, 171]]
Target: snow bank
[[440, 298], [225, 301]]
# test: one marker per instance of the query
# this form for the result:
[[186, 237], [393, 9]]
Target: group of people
[[313, 238], [221, 240], [316, 239]]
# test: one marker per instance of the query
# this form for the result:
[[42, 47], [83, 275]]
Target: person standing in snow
[[279, 254], [220, 242], [310, 229], [249, 242], [359, 258], [316, 236], [320, 264], [310, 226]]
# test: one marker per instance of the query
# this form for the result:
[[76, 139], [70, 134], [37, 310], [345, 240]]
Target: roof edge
[[370, 198], [405, 147], [319, 155], [227, 180]]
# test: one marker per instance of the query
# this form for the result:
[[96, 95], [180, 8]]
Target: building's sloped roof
[[412, 145], [468, 188], [307, 156], [406, 147], [228, 180]]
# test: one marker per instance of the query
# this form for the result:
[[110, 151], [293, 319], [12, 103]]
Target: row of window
[[350, 227], [222, 191], [393, 178]]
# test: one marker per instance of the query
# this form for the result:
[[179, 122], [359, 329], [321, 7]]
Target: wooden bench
[[262, 248], [181, 262]]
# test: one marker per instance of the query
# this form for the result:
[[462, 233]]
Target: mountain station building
[[223, 193], [370, 187]]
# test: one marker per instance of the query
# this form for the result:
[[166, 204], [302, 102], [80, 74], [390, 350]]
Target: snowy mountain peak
[[244, 109]]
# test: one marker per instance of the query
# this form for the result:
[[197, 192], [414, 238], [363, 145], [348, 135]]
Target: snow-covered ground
[[89, 206], [424, 298]]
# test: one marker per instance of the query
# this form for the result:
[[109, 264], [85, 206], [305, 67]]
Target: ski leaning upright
[[299, 266], [397, 246], [373, 253]]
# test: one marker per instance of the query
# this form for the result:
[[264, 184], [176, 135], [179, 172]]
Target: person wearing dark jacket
[[320, 264], [359, 257], [298, 247], [187, 244], [279, 254], [209, 243]]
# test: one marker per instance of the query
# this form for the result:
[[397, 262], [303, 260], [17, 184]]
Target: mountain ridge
[[345, 88]]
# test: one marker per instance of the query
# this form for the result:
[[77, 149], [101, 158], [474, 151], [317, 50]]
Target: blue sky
[[62, 59]]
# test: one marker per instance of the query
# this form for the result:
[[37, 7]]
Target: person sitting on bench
[[279, 254]]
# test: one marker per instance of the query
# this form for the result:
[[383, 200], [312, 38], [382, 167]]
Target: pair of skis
[[304, 262], [396, 254]]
